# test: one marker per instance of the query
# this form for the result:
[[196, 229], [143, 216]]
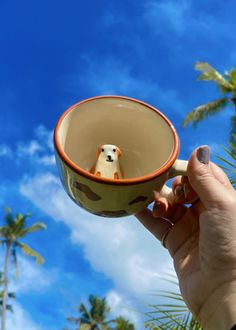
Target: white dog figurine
[[107, 164]]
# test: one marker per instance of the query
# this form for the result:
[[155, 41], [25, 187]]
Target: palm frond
[[99, 307], [14, 257], [169, 316], [123, 324], [9, 216], [35, 227], [74, 320], [11, 295], [19, 218], [19, 223], [96, 316], [232, 140], [173, 314], [8, 307], [232, 77], [229, 164], [85, 313], [209, 73], [85, 327], [30, 252], [204, 110]]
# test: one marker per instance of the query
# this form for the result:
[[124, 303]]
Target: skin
[[202, 241]]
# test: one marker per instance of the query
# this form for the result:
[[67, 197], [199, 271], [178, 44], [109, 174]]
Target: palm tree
[[94, 318], [122, 324], [11, 234], [10, 295], [227, 86]]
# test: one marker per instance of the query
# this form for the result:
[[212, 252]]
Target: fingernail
[[158, 210], [203, 154], [156, 194], [186, 189], [155, 210], [179, 191]]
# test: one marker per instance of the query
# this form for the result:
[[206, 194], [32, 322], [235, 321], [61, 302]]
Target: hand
[[202, 241]]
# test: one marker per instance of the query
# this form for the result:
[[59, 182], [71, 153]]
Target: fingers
[[186, 225], [209, 182], [156, 226], [167, 209], [206, 180], [161, 205], [183, 191]]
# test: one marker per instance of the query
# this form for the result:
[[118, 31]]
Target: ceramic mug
[[149, 145]]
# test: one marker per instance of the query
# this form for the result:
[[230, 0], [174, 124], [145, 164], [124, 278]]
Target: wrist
[[219, 311]]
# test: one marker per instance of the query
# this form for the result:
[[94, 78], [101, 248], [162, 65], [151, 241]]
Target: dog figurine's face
[[108, 153]]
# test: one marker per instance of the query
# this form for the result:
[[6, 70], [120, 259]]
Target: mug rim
[[141, 179]]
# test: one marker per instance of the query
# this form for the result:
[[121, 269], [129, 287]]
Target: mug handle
[[178, 168]]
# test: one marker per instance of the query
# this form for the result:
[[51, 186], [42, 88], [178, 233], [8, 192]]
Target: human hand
[[202, 241]]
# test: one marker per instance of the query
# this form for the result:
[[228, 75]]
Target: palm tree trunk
[[5, 286]]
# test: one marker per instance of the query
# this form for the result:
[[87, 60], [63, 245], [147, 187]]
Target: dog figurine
[[107, 163]]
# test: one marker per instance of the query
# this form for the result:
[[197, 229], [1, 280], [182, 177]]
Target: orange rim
[[164, 168]]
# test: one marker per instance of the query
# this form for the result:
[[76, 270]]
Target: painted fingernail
[[203, 154], [179, 191]]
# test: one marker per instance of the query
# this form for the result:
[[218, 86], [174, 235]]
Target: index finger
[[183, 229], [156, 225]]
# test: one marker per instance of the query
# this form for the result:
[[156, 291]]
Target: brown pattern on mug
[[87, 191], [138, 199]]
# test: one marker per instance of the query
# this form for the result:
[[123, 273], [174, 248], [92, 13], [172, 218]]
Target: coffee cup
[[148, 142]]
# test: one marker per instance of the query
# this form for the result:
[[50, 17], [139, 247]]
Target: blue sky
[[56, 53]]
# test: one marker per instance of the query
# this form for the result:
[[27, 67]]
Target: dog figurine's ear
[[99, 149], [118, 152]]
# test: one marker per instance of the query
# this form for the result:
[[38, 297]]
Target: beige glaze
[[144, 137]]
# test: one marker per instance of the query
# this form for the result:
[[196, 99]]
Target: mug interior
[[146, 138]]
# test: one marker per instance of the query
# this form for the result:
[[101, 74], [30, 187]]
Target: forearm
[[219, 311]]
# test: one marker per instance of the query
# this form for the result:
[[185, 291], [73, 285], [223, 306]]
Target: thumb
[[211, 191]]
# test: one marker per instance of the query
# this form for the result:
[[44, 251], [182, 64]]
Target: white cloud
[[180, 17], [33, 278], [120, 248], [20, 319], [28, 272], [113, 77], [28, 149], [120, 305], [45, 136], [47, 160], [38, 150], [5, 151], [168, 13]]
